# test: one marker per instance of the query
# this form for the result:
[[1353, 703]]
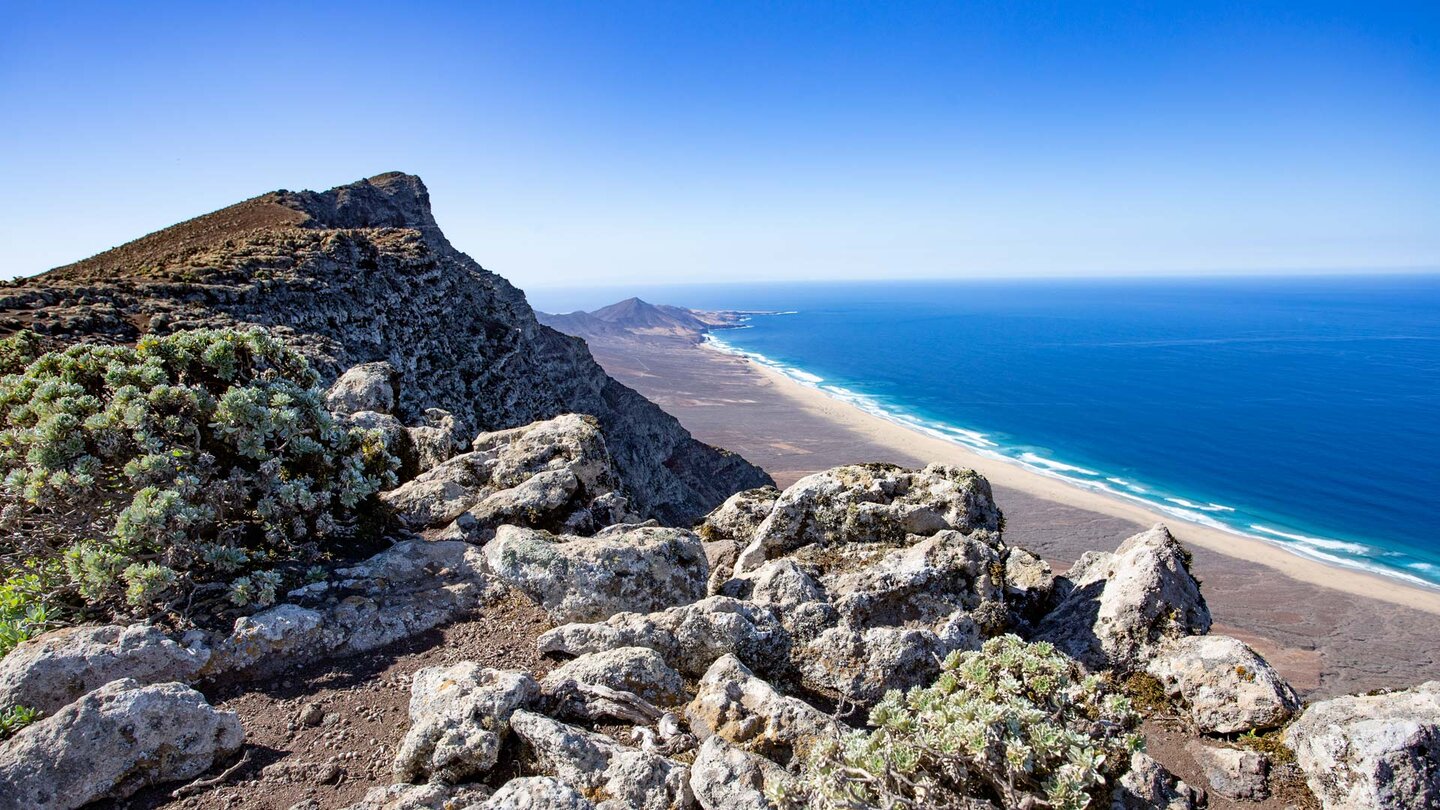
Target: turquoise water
[[1305, 412]]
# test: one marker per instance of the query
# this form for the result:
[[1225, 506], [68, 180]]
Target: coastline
[[1012, 475]]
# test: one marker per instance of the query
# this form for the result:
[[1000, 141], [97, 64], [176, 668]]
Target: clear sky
[[614, 142]]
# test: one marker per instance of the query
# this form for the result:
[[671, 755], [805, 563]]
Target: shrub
[[1013, 724], [14, 718], [197, 472]]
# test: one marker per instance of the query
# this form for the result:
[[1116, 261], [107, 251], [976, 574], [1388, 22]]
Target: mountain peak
[[389, 200]]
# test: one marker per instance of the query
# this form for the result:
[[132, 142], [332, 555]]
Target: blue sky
[[616, 142]]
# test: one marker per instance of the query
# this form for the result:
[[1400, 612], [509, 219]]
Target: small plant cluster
[[14, 718], [1012, 723], [195, 473]]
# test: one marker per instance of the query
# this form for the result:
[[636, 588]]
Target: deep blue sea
[[1302, 411]]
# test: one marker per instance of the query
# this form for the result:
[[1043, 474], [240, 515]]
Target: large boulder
[[366, 387], [535, 793], [730, 702], [871, 503], [587, 579], [1372, 751], [638, 670], [113, 742], [1226, 686], [920, 583], [556, 474], [726, 777], [410, 588], [862, 665], [459, 716], [595, 765], [689, 637], [58, 667], [1122, 607]]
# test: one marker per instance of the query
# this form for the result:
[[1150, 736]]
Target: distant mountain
[[634, 318], [363, 273]]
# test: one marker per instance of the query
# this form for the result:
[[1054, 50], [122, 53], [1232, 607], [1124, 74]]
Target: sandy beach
[[1330, 630]]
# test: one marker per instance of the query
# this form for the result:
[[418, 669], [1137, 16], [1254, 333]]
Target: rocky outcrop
[[627, 778], [363, 274], [1122, 607], [366, 387], [579, 579], [459, 716], [1372, 751], [1226, 686], [725, 777], [638, 670], [112, 742], [730, 702], [536, 793]]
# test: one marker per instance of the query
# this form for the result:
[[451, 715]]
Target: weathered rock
[[421, 797], [396, 437], [924, 582], [459, 716], [725, 777], [1149, 786], [112, 742], [739, 516], [535, 793], [1227, 686], [689, 637], [733, 704], [438, 440], [578, 579], [1234, 773], [366, 387], [596, 765], [60, 666], [1375, 751], [1029, 584], [1124, 606], [640, 670], [781, 584], [407, 589], [862, 665], [871, 503]]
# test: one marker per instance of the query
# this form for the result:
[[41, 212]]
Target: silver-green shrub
[[197, 472], [1013, 724]]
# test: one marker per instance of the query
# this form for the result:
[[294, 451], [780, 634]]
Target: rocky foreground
[[693, 666]]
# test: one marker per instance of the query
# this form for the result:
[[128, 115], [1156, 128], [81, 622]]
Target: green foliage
[[198, 471], [14, 718], [24, 611], [1013, 723]]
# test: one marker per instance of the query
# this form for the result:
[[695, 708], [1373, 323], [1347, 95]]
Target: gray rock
[[921, 583], [1374, 751], [862, 665], [640, 670], [51, 671], [1029, 584], [112, 742], [421, 797], [439, 439], [535, 793], [366, 387], [459, 716], [730, 702], [781, 584], [578, 579], [1234, 773], [396, 437], [596, 765], [1124, 606], [871, 503], [1149, 786], [1227, 686], [410, 588], [689, 637], [739, 516], [725, 777]]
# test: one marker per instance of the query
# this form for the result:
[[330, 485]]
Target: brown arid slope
[[363, 273]]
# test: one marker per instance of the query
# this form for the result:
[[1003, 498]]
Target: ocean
[[1300, 411]]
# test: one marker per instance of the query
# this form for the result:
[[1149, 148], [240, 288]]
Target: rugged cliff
[[363, 273]]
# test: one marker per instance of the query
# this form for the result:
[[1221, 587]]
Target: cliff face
[[362, 273]]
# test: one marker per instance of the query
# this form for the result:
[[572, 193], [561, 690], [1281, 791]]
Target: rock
[[112, 742], [725, 777], [781, 583], [396, 437], [1149, 786], [640, 670], [1029, 584], [535, 793], [1234, 773], [924, 582], [311, 714], [739, 516], [438, 440], [596, 765], [862, 665], [732, 703], [49, 672], [366, 387], [871, 503], [1372, 751], [459, 716], [421, 797], [410, 588], [1124, 606], [689, 637], [579, 579], [1227, 686]]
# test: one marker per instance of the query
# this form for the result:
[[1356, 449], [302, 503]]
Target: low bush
[[1013, 724], [196, 474]]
